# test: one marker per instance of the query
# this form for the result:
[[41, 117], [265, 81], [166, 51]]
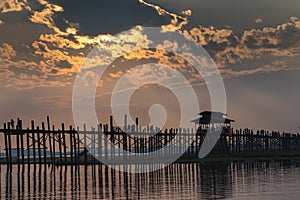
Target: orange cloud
[[7, 51], [177, 21], [45, 16], [57, 56], [161, 11], [13, 5], [187, 12], [119, 74], [259, 20], [26, 75], [53, 57]]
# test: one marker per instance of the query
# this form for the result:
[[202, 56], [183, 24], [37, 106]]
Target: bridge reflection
[[177, 181]]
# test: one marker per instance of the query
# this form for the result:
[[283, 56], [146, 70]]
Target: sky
[[255, 45]]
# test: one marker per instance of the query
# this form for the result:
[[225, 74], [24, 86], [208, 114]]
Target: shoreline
[[257, 156], [242, 157]]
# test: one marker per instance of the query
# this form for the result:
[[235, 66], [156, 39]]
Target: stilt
[[53, 143], [39, 144], [22, 140], [6, 143], [44, 143], [84, 142], [28, 147], [71, 144], [9, 143], [50, 142], [64, 141]]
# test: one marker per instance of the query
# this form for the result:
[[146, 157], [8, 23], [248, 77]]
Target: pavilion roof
[[208, 117]]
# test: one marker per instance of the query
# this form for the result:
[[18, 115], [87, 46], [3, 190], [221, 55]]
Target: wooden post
[[93, 143], [74, 145], [6, 143], [44, 143], [84, 142], [18, 143], [141, 136], [244, 141], [133, 130], [106, 141], [165, 137], [179, 140], [22, 140], [39, 144], [53, 143], [111, 126], [64, 141], [78, 146], [49, 136], [193, 142], [136, 130], [125, 148], [125, 123], [185, 133], [9, 143], [71, 144], [28, 146], [112, 136], [99, 141], [237, 141], [59, 145]]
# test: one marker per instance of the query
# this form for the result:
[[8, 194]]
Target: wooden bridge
[[46, 144]]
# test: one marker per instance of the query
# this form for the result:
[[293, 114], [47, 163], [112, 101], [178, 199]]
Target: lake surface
[[249, 180]]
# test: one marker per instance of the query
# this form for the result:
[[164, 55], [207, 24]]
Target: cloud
[[45, 16], [13, 5], [227, 47], [177, 21], [187, 12], [119, 74], [267, 68], [26, 75], [61, 53], [162, 11], [258, 20], [7, 51], [54, 57]]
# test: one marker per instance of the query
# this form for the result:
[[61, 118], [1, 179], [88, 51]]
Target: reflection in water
[[269, 180]]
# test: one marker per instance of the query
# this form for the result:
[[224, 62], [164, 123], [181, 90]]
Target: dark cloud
[[228, 47], [238, 15], [100, 17]]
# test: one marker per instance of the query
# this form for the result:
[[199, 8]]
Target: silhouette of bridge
[[50, 145]]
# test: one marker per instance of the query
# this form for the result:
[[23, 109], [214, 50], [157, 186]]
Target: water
[[251, 180]]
